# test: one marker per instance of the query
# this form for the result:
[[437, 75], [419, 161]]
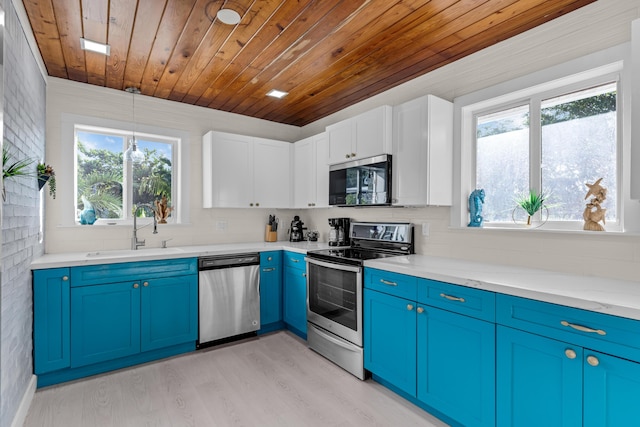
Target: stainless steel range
[[334, 289]]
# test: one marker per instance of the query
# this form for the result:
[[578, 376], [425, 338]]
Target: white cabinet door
[[241, 171], [340, 138], [227, 170], [321, 142], [422, 152], [271, 180], [635, 110], [365, 135], [304, 174], [373, 134]]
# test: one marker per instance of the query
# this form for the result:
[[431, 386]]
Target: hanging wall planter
[[46, 175]]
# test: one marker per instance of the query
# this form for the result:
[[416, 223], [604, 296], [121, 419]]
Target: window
[[554, 142], [111, 184]]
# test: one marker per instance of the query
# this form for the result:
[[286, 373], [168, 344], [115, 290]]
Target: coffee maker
[[339, 232], [296, 233]]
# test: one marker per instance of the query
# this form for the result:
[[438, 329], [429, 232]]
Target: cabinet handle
[[593, 361], [420, 310], [295, 260], [385, 282], [409, 307], [268, 269], [257, 204], [136, 286], [304, 274], [269, 258], [353, 154], [346, 155], [145, 284], [250, 204], [571, 354], [583, 328], [452, 298], [65, 278]]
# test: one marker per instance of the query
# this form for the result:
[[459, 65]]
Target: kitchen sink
[[127, 253]]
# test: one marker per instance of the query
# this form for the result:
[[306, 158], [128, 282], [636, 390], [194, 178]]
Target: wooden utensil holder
[[270, 236]]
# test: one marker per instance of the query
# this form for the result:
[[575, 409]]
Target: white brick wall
[[24, 134]]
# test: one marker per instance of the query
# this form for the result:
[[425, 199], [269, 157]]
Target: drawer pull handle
[[583, 328], [145, 284], [268, 269], [386, 282], [593, 361], [571, 354], [295, 260], [65, 278], [136, 286], [420, 310], [452, 298], [304, 274], [409, 307]]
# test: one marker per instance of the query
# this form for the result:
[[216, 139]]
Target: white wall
[[593, 28]]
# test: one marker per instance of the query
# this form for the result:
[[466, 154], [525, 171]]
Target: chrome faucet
[[135, 242]]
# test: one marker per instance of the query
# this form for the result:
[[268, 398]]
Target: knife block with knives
[[271, 230]]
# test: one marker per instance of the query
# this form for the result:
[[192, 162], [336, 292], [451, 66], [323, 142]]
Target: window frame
[[534, 102], [614, 60], [127, 191], [180, 173]]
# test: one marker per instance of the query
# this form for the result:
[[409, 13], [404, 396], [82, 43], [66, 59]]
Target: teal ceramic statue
[[476, 200], [88, 214]]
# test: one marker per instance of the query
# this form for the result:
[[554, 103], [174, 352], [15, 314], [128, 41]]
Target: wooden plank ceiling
[[328, 54]]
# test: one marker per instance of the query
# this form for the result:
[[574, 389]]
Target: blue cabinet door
[[390, 339], [295, 299], [456, 365], [51, 344], [169, 311], [270, 287], [105, 322], [539, 381], [611, 390]]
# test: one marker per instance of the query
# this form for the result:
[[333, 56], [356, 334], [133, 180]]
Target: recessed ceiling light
[[277, 93], [102, 48], [228, 16]]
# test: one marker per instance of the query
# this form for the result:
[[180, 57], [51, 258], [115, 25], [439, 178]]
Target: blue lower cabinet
[[611, 390], [51, 320], [295, 293], [539, 381], [390, 339], [169, 312], [456, 366], [105, 322], [270, 291]]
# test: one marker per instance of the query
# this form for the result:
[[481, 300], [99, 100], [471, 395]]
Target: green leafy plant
[[532, 202], [46, 174], [13, 169]]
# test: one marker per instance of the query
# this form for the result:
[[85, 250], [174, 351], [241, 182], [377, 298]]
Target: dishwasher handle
[[228, 261]]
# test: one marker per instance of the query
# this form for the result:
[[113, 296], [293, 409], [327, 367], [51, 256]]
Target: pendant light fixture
[[133, 154]]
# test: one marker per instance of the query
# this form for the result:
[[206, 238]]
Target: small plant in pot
[[532, 202], [46, 174]]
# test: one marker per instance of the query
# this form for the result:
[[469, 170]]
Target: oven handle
[[343, 267]]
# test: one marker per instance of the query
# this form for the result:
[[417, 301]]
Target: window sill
[[543, 230]]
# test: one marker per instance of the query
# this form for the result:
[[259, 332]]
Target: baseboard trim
[[25, 403]]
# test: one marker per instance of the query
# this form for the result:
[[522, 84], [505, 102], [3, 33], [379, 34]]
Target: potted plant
[[47, 174], [532, 202], [14, 169]]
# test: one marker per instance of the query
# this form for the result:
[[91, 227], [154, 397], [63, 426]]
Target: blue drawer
[[597, 331], [396, 284], [294, 260], [270, 259], [112, 273], [458, 299]]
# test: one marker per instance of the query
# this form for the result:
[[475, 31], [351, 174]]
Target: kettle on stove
[[296, 232]]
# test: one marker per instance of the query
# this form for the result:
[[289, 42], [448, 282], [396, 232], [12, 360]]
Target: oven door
[[334, 298]]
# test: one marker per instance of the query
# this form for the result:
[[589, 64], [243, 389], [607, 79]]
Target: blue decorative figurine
[[88, 214], [476, 200]]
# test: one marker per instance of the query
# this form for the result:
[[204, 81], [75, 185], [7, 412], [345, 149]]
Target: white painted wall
[[604, 24]]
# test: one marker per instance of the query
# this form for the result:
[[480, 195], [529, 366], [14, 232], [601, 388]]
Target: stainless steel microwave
[[364, 182]]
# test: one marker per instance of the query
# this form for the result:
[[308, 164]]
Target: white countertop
[[74, 259], [603, 295]]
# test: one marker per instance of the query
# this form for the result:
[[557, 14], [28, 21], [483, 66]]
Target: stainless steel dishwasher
[[229, 296]]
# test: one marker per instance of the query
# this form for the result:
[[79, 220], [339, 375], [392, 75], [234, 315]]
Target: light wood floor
[[273, 380]]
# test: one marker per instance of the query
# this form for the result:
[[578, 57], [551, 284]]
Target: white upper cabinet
[[311, 172], [423, 152], [242, 171], [366, 135], [635, 110]]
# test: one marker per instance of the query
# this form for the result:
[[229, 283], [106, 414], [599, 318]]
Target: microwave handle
[[342, 267]]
